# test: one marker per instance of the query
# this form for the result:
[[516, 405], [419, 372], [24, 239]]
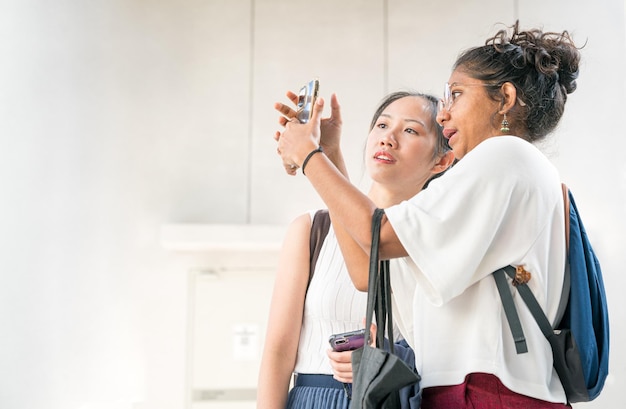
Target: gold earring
[[504, 127]]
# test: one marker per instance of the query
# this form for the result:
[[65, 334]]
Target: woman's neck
[[385, 196]]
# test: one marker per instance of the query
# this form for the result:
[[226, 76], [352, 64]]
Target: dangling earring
[[504, 127]]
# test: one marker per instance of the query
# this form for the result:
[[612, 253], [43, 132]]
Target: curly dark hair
[[543, 67]]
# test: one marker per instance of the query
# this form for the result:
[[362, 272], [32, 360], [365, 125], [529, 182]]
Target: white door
[[227, 315]]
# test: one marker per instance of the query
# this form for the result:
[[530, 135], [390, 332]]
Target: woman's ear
[[509, 97], [444, 162]]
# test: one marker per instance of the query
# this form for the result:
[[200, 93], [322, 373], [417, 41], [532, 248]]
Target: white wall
[[118, 117]]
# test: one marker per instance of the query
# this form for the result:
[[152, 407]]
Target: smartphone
[[306, 100], [347, 341]]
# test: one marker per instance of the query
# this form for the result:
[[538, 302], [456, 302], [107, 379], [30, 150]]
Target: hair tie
[[313, 152]]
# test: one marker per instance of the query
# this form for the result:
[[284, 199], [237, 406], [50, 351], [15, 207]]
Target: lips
[[447, 132], [384, 156]]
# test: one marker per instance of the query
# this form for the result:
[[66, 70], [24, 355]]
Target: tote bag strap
[[386, 315], [378, 289], [373, 274]]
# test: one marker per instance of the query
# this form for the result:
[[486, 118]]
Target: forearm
[[274, 378], [336, 157], [352, 210]]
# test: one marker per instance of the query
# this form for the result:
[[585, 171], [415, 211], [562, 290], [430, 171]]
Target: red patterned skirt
[[481, 391]]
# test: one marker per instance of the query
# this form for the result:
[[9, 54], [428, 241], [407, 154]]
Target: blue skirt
[[318, 392]]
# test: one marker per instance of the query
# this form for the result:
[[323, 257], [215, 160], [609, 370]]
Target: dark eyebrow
[[417, 121]]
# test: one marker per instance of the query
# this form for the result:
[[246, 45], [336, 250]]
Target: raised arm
[[330, 130], [351, 210]]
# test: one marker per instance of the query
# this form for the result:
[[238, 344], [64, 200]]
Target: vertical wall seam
[[385, 47], [250, 115]]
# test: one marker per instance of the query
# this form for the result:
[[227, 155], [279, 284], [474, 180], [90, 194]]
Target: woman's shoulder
[[309, 215], [506, 153], [314, 212], [505, 144], [501, 165], [300, 227]]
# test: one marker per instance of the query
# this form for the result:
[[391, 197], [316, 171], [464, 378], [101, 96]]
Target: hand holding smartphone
[[347, 341], [306, 100]]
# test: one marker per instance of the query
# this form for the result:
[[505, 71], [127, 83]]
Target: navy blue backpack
[[580, 340]]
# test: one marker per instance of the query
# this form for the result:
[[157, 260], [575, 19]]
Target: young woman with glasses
[[500, 204]]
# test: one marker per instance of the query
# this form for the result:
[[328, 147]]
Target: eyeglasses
[[449, 97]]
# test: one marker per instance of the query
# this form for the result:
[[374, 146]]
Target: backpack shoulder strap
[[527, 295], [509, 309], [566, 275], [566, 207], [319, 230]]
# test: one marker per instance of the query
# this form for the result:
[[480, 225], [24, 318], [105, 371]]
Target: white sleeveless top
[[332, 306]]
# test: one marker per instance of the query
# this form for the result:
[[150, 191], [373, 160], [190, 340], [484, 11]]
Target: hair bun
[[568, 70], [553, 54], [543, 67]]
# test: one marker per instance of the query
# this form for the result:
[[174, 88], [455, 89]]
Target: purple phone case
[[347, 341]]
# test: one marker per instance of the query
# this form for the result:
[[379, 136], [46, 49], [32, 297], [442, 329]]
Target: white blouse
[[501, 204]]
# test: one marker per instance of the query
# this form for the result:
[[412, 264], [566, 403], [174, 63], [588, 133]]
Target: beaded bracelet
[[313, 152]]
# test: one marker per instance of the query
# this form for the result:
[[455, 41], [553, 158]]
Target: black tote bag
[[378, 373]]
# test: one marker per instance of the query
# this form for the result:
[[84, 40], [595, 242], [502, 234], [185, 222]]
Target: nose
[[442, 116], [388, 139]]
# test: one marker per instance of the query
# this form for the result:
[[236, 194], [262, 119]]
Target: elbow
[[361, 284], [361, 279], [359, 274], [358, 270]]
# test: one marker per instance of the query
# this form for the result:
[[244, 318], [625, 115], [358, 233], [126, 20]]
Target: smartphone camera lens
[[301, 97]]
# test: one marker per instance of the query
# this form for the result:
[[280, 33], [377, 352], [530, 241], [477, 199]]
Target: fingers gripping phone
[[306, 100], [347, 341]]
